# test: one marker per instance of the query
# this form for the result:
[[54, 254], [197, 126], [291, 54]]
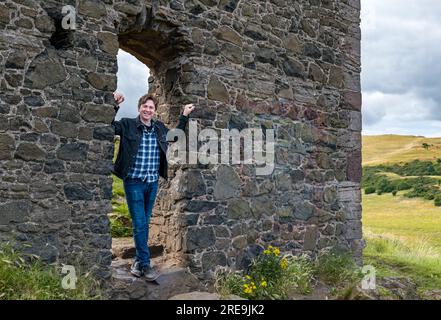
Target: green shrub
[[270, 276], [438, 201], [369, 190]]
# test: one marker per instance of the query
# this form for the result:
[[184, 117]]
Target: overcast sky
[[133, 82], [401, 68], [401, 48]]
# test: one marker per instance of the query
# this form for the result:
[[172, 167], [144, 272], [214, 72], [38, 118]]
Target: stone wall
[[291, 66]]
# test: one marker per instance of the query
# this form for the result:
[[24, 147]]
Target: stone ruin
[[288, 65]]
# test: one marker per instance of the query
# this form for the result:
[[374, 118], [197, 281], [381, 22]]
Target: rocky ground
[[177, 283]]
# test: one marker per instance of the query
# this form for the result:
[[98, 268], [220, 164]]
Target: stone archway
[[163, 49]]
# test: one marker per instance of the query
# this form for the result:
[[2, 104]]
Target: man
[[141, 160]]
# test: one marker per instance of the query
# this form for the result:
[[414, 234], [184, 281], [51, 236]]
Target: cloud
[[132, 82], [401, 45]]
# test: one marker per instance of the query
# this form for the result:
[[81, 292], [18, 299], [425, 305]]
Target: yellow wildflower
[[267, 252], [276, 251], [247, 288], [263, 284], [284, 263], [248, 277]]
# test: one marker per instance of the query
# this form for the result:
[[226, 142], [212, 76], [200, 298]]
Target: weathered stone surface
[[91, 8], [16, 211], [262, 205], [227, 183], [102, 81], [16, 60], [227, 34], [238, 208], [304, 211], [72, 151], [98, 113], [199, 238], [216, 90], [64, 129], [211, 260], [45, 70], [310, 239], [76, 191], [7, 145], [109, 42], [29, 152]]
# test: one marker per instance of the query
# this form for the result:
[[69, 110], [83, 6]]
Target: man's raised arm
[[119, 98]]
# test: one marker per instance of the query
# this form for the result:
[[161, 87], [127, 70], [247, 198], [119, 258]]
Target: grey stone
[[92, 8], [216, 90], [238, 209], [64, 129], [98, 113], [210, 260], [16, 60], [45, 70], [199, 238], [104, 133], [310, 238], [102, 81], [262, 205], [54, 165], [34, 101], [30, 152], [77, 191], [15, 211], [293, 68], [7, 145], [72, 151], [227, 183], [304, 211]]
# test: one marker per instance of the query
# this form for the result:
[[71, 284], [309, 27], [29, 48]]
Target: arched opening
[[150, 62]]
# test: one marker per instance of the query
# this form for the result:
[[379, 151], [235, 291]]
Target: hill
[[396, 148]]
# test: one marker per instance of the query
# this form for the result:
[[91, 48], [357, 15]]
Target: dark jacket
[[130, 131]]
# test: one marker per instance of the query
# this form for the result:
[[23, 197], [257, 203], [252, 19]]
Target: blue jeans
[[140, 200]]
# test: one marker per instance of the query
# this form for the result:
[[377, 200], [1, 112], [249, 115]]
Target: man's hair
[[145, 98]]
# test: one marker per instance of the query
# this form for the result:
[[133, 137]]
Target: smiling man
[[141, 160]]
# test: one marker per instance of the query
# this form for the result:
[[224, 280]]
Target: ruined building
[[288, 65]]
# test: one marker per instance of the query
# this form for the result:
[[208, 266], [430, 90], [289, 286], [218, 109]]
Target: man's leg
[[152, 188], [149, 202], [135, 200]]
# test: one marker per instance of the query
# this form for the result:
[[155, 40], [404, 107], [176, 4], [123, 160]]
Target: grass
[[403, 238], [409, 219], [27, 278], [396, 148], [120, 221]]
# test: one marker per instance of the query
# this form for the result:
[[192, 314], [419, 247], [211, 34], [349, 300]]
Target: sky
[[401, 71], [133, 78]]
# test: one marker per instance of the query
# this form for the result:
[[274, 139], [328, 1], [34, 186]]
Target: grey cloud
[[132, 82], [400, 51]]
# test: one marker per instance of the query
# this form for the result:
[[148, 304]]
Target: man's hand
[[119, 98], [188, 108]]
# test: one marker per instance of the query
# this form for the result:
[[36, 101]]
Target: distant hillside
[[395, 148]]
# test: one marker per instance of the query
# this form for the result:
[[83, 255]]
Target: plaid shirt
[[146, 165]]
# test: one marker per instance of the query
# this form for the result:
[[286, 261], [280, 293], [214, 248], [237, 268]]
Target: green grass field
[[395, 148], [403, 238], [403, 235]]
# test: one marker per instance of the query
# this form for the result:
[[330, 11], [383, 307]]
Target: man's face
[[147, 110]]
